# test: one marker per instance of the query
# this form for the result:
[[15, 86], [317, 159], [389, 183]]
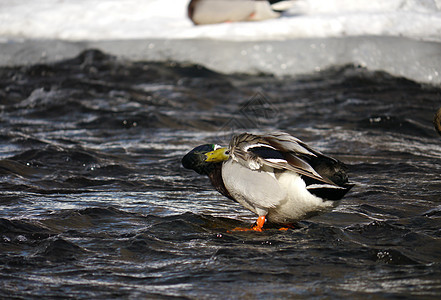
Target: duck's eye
[[227, 152]]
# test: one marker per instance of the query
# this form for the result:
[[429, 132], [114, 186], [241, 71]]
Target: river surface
[[95, 203]]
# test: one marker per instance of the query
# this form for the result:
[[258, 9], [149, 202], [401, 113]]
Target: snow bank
[[136, 19], [401, 37]]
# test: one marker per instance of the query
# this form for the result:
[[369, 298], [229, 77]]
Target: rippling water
[[95, 204]]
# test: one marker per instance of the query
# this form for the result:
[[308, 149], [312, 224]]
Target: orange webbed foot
[[258, 227], [287, 227]]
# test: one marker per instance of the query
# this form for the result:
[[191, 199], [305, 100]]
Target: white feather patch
[[283, 5], [258, 145], [253, 189], [323, 186], [276, 160], [254, 165]]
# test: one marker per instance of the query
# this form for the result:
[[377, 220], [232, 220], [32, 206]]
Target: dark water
[[94, 202]]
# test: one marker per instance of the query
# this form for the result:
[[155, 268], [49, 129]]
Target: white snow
[[312, 35], [138, 19]]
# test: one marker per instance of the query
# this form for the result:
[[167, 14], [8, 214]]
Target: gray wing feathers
[[292, 146], [297, 165], [288, 143]]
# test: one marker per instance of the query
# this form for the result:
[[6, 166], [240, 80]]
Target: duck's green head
[[203, 159]]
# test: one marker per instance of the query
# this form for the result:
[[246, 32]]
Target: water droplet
[[21, 238]]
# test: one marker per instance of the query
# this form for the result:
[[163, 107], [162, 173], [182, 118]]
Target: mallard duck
[[218, 11], [276, 176]]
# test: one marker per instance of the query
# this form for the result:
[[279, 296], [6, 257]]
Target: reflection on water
[[96, 204]]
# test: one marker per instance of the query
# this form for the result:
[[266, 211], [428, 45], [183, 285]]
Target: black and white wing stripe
[[270, 156], [286, 158], [325, 190]]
